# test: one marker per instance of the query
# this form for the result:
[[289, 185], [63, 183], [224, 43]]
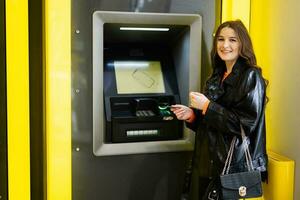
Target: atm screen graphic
[[135, 77]]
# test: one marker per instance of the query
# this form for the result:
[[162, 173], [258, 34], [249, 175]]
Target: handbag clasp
[[242, 191]]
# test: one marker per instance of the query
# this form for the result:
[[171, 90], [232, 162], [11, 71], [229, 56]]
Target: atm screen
[[136, 77]]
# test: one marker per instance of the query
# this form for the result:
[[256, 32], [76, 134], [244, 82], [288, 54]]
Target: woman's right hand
[[182, 112]]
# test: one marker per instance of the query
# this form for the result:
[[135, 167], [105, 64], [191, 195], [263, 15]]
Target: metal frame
[[100, 148]]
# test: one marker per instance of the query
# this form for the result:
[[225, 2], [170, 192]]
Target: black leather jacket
[[240, 98]]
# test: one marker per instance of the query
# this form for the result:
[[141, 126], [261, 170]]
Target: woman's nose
[[226, 43]]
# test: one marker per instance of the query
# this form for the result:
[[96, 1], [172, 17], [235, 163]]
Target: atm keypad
[[144, 113]]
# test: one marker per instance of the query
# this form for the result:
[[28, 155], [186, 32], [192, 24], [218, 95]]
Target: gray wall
[[144, 176], [209, 10]]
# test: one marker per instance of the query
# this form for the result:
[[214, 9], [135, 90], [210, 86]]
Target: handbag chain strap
[[246, 151], [229, 156]]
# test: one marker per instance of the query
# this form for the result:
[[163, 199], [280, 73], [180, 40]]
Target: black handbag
[[240, 185]]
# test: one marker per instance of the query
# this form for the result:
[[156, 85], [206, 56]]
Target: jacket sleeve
[[195, 124], [247, 110]]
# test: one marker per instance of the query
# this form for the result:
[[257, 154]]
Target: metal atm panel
[[179, 43]]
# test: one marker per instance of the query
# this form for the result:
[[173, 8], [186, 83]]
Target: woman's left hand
[[197, 100]]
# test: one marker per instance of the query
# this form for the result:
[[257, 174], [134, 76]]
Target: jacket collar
[[232, 78], [215, 88]]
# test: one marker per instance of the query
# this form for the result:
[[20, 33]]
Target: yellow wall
[[17, 100], [272, 26], [58, 98], [236, 9], [275, 32]]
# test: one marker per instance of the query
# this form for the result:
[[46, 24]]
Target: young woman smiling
[[234, 95]]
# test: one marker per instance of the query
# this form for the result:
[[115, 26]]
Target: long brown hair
[[246, 51]]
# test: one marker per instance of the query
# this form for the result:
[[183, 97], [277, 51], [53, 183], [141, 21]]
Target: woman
[[234, 95]]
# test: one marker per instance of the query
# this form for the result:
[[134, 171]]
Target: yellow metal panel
[[18, 100], [236, 9], [274, 30], [262, 43], [226, 10], [58, 98], [281, 178]]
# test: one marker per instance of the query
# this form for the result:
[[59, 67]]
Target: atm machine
[[127, 144], [141, 67]]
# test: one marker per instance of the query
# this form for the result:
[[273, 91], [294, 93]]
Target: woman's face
[[228, 46]]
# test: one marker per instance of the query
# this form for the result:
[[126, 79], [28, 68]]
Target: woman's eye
[[232, 40], [220, 39]]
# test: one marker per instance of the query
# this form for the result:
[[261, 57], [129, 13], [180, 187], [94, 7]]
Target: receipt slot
[[142, 64]]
